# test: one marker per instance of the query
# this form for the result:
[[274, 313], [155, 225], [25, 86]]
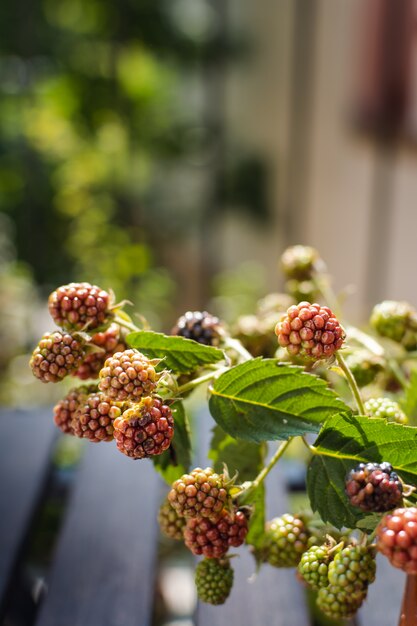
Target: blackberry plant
[[350, 413]]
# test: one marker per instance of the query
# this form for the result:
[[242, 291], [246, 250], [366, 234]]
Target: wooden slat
[[25, 445], [103, 569], [383, 604]]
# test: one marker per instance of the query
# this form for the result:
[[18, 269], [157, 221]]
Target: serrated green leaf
[[409, 403], [370, 522], [180, 355], [263, 400], [247, 460], [176, 461], [346, 440]]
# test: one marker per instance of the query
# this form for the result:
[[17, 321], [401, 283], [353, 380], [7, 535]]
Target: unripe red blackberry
[[397, 538], [285, 540], [214, 580], [364, 366], [353, 568], [201, 493], [110, 341], [128, 375], [79, 306], [66, 408], [300, 262], [213, 539], [57, 355], [170, 523], [314, 565], [200, 326], [94, 418], [310, 330], [397, 321], [145, 429], [337, 603], [386, 408], [374, 487]]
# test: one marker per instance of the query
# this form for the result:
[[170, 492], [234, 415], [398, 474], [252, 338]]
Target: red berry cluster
[[310, 330], [108, 342], [397, 538], [213, 539], [374, 487]]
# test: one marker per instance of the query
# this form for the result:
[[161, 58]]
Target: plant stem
[[351, 381], [129, 325], [234, 344], [199, 381], [265, 471], [397, 372]]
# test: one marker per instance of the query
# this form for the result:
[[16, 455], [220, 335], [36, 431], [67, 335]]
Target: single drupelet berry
[[285, 540], [170, 523], [201, 493], [213, 539], [374, 487], [66, 408], [397, 538], [386, 408], [336, 603], [79, 306], [94, 418], [310, 330], [145, 429], [214, 580], [200, 326], [300, 262], [364, 366], [109, 342], [353, 569], [128, 375], [57, 355], [396, 321], [314, 565]]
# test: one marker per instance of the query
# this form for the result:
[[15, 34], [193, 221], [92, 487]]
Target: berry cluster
[[124, 407], [214, 580], [374, 487], [396, 321], [171, 524], [285, 540], [310, 330], [201, 493]]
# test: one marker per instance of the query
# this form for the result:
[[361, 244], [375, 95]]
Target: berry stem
[[352, 383], [246, 493], [199, 381], [234, 344]]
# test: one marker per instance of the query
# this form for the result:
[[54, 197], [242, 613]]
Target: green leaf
[[180, 355], [247, 459], [263, 400], [176, 461], [370, 522], [409, 403], [346, 440]]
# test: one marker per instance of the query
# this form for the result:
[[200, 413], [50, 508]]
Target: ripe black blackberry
[[374, 487], [214, 580], [199, 326]]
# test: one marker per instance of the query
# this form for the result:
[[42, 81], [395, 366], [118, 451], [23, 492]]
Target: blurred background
[[172, 149]]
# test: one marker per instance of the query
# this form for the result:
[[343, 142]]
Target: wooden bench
[[104, 564]]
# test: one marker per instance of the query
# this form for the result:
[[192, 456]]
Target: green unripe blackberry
[[300, 262], [364, 366], [386, 408], [353, 568], [337, 603], [314, 565], [286, 538], [396, 321], [170, 523], [214, 580]]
